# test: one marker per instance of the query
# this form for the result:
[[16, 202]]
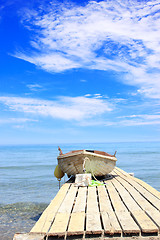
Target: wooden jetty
[[124, 207]]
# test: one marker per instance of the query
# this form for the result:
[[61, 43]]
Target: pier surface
[[123, 207]]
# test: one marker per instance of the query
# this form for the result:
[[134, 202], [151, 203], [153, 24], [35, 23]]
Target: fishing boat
[[97, 163]]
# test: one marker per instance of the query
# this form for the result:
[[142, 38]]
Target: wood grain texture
[[76, 225], [44, 222], [93, 223], [124, 205], [145, 223], [109, 219], [60, 224], [80, 203], [124, 217]]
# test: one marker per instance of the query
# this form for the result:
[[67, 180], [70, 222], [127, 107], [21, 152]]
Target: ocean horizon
[[27, 182]]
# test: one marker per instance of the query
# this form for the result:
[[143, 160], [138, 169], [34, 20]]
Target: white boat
[[90, 161]]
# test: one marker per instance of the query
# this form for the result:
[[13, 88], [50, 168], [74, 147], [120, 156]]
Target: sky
[[79, 71]]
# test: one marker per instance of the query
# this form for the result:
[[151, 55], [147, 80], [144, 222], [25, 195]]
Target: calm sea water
[[27, 182]]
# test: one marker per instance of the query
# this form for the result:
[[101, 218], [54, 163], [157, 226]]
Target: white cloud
[[125, 121], [85, 111], [34, 87], [139, 120], [16, 120], [67, 108], [115, 35]]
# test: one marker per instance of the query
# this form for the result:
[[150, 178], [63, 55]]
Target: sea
[[27, 182]]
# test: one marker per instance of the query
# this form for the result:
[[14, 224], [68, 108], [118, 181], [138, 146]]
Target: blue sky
[[74, 71]]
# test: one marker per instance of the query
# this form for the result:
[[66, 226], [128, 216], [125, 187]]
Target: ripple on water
[[18, 217]]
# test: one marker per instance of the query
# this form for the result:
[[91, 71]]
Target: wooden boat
[[90, 161]]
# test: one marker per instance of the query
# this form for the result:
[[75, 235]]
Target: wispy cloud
[[139, 120], [90, 110], [67, 108], [126, 121], [35, 87], [16, 120], [115, 35]]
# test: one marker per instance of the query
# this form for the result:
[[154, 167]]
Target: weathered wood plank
[[124, 205], [60, 224], [104, 201], [145, 223], [142, 183], [92, 202], [77, 220], [148, 195], [93, 223], [76, 225], [127, 223], [115, 199], [67, 203], [110, 223], [80, 204], [109, 219], [142, 202], [29, 236], [44, 222]]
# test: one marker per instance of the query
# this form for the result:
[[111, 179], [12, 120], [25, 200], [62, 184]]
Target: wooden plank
[[76, 225], [145, 223], [148, 187], [80, 204], [61, 221], [127, 223], [29, 236], [60, 224], [142, 183], [148, 195], [104, 201], [144, 192], [77, 220], [92, 202], [53, 208], [93, 223], [110, 222], [67, 203], [153, 213], [115, 199], [44, 222]]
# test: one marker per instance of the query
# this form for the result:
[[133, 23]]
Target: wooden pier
[[124, 207]]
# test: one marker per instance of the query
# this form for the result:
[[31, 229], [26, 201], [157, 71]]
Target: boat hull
[[95, 164]]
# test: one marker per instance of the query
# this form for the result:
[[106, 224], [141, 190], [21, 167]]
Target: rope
[[84, 170]]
